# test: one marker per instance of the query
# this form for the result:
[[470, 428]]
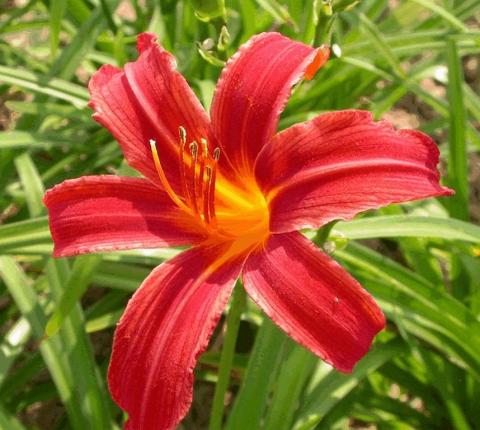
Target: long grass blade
[[457, 166]]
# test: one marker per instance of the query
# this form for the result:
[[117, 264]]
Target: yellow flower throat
[[228, 210]]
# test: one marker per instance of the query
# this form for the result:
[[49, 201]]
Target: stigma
[[197, 170]]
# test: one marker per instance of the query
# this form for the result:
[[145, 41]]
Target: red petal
[[104, 213], [313, 299], [342, 163], [167, 325], [253, 90], [148, 100]]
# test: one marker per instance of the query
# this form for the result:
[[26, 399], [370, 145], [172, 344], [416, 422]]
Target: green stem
[[226, 358]]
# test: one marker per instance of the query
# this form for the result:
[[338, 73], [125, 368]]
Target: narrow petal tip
[[313, 299], [321, 57], [145, 41], [447, 192]]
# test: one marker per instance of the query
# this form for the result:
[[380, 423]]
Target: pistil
[[163, 178]]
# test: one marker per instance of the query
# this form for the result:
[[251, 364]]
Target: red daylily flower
[[236, 191]]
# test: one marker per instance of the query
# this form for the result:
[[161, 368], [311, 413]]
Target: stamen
[[201, 178], [183, 172], [211, 187], [163, 178], [197, 175], [193, 173], [206, 200]]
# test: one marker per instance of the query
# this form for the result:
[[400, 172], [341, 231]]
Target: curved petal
[[253, 90], [313, 299], [342, 163], [105, 213], [147, 100], [166, 326]]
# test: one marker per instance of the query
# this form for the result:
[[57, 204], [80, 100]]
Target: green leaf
[[457, 166], [261, 371], [12, 345], [334, 386], [29, 140], [57, 10], [227, 356], [24, 233], [444, 13], [78, 281], [108, 16], [83, 42], [38, 108], [293, 376], [120, 276], [418, 307], [278, 11], [20, 288], [103, 322], [209, 9], [32, 184], [75, 94], [77, 349], [8, 421], [442, 373], [408, 226], [379, 42]]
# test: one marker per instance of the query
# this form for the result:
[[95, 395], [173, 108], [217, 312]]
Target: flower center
[[225, 208]]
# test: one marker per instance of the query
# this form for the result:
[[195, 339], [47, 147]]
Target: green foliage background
[[418, 58]]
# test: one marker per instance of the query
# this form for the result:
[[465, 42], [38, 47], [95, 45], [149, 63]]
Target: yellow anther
[[204, 143], [216, 154], [183, 135], [163, 178], [194, 150]]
